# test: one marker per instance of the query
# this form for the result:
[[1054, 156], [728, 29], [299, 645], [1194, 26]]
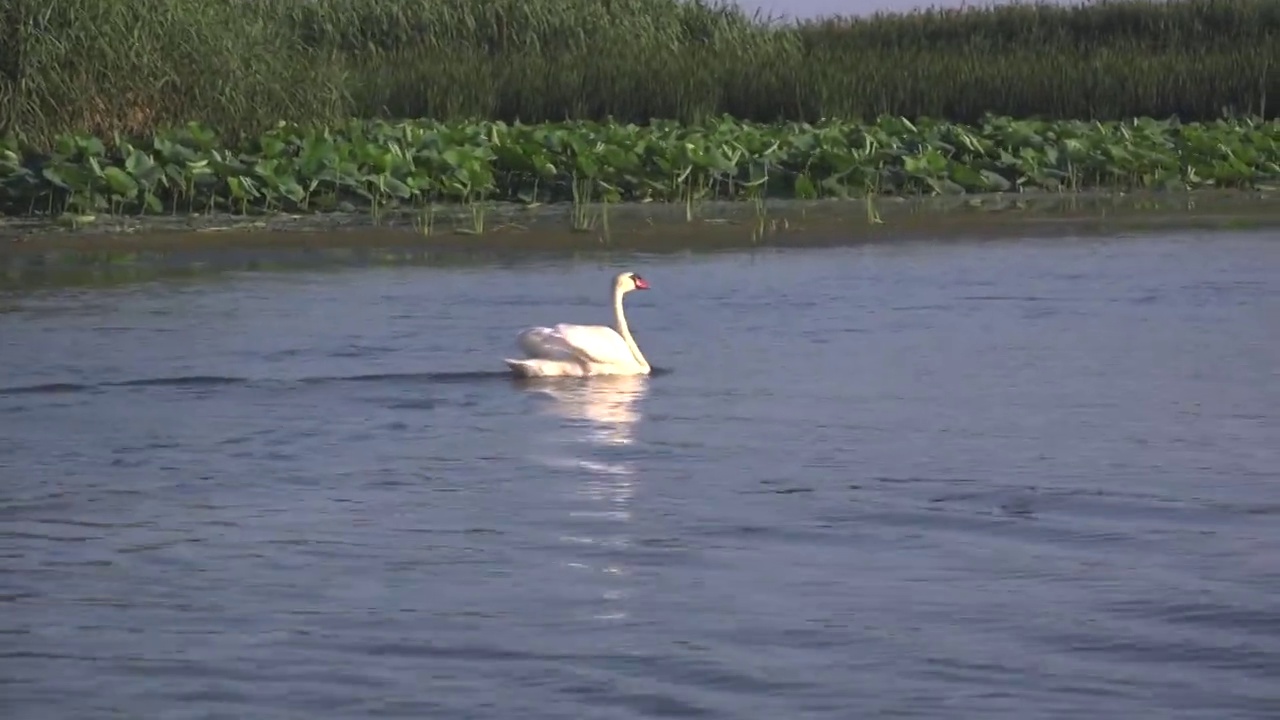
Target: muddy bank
[[618, 222], [128, 249]]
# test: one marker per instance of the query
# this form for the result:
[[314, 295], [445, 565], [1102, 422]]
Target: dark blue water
[[1025, 479]]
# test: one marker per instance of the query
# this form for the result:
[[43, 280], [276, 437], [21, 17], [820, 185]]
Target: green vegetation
[[136, 67], [413, 165], [176, 106]]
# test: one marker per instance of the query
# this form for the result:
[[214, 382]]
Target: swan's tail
[[522, 368]]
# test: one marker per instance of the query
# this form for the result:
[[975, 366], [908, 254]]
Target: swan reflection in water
[[601, 413], [607, 406]]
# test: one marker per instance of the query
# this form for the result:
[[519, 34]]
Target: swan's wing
[[596, 343], [547, 344]]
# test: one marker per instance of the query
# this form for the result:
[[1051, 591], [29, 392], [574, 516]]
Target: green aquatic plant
[[379, 166]]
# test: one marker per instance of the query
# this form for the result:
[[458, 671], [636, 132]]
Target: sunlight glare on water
[[599, 413]]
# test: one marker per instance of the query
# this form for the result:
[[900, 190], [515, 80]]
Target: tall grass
[[135, 66]]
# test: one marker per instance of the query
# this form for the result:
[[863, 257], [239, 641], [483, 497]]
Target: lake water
[[1033, 478]]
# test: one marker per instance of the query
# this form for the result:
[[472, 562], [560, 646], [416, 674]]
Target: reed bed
[[378, 166], [138, 67]]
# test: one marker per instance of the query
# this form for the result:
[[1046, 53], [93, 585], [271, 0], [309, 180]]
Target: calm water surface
[[1035, 479]]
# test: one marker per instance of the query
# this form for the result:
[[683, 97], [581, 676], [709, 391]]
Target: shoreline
[[62, 259], [867, 217], [101, 258]]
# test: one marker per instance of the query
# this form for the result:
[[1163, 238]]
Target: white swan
[[584, 350]]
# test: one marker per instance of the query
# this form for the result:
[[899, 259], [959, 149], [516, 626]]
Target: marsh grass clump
[[108, 66], [1112, 59], [238, 67], [540, 60]]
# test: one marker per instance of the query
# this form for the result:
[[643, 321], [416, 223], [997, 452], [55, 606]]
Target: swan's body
[[584, 350]]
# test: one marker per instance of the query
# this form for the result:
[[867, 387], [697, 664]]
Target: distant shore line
[[520, 227], [150, 248]]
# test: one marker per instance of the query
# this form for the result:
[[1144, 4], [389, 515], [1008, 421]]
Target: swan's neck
[[621, 318]]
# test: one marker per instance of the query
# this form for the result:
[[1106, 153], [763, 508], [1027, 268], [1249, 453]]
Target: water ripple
[[905, 480]]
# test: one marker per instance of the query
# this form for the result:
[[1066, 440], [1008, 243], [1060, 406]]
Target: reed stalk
[[136, 67]]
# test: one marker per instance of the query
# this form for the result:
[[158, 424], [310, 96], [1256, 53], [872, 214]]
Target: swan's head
[[628, 281]]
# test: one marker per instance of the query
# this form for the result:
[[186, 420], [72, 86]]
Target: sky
[[814, 8]]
